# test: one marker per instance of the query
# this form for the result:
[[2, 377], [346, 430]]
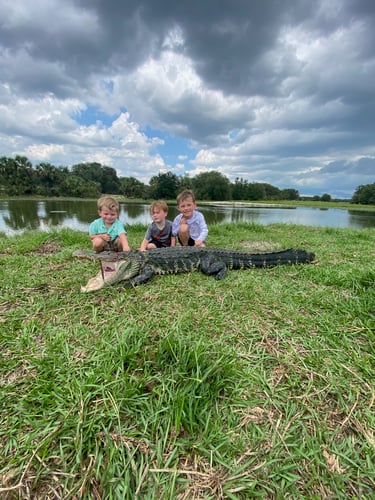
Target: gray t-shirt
[[161, 236]]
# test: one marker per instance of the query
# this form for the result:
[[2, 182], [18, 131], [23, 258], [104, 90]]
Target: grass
[[257, 386]]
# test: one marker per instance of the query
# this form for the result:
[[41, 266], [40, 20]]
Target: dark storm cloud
[[364, 166], [230, 43]]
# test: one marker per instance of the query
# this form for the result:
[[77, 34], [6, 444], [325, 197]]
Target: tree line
[[89, 180]]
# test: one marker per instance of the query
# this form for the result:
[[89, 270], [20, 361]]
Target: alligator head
[[113, 272]]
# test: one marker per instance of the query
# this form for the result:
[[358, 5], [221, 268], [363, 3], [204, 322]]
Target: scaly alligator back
[[187, 259], [136, 267]]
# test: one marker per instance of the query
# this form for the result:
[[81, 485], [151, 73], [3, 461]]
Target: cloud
[[268, 93]]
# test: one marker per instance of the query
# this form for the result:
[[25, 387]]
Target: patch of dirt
[[18, 375], [48, 247]]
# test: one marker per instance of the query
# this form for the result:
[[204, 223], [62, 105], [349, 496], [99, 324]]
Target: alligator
[[135, 267]]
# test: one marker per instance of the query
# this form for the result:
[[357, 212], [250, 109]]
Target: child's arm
[[143, 246], [103, 236], [124, 242], [203, 231]]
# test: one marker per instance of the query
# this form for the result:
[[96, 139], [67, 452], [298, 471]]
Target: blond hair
[[108, 202], [187, 193], [158, 205]]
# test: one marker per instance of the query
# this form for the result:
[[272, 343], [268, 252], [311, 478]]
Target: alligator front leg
[[213, 267], [145, 275]]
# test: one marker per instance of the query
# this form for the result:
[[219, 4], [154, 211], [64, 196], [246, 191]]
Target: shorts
[[112, 245], [191, 242], [160, 244]]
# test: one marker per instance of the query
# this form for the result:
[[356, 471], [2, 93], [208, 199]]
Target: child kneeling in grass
[[107, 233], [159, 232], [190, 225]]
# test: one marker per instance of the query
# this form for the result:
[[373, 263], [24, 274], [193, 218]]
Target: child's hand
[[199, 243]]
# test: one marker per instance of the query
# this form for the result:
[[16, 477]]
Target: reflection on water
[[361, 219], [18, 215]]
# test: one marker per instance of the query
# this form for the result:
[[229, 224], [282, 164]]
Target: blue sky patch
[[93, 114], [175, 149]]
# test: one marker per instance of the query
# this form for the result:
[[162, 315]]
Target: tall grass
[[260, 385]]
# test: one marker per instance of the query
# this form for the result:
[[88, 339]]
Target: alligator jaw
[[112, 272], [94, 284]]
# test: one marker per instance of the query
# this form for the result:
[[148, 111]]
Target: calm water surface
[[19, 215]]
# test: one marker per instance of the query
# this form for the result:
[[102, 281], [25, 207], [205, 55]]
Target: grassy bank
[[325, 205], [260, 385]]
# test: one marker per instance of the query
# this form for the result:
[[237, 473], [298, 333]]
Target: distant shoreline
[[290, 204], [244, 204]]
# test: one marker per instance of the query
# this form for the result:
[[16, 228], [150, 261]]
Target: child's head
[[108, 209], [109, 203], [158, 211], [186, 195], [158, 206], [186, 203]]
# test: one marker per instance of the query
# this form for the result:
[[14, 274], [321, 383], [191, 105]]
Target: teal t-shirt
[[98, 227]]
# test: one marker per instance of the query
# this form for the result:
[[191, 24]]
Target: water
[[19, 215]]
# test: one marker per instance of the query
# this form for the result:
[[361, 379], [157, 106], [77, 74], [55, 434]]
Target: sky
[[275, 91]]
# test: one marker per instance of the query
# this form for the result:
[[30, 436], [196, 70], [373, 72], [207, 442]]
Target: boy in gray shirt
[[159, 232]]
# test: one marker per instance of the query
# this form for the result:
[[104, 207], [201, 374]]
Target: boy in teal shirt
[[107, 233]]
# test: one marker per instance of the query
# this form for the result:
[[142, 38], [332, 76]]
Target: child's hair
[[187, 193], [108, 202], [158, 205]]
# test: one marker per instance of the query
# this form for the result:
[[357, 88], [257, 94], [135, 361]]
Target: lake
[[19, 215]]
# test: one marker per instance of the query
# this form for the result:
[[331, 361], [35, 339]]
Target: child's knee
[[184, 229], [98, 244]]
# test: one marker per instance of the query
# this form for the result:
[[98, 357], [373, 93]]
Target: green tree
[[255, 191], [49, 179], [364, 194], [270, 192], [73, 185], [289, 194], [95, 172], [185, 182], [17, 175], [325, 197], [240, 189], [110, 182], [131, 187], [164, 186], [212, 186]]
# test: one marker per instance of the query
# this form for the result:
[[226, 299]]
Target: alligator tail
[[282, 257]]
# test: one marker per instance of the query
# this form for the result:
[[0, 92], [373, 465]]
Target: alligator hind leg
[[213, 267], [144, 276]]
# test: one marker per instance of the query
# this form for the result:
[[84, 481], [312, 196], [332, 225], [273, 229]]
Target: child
[[189, 226], [159, 232], [107, 233]]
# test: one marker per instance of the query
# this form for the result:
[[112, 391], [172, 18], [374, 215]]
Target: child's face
[[158, 215], [187, 207], [108, 216]]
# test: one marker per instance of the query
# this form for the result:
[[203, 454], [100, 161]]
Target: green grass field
[[257, 386]]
